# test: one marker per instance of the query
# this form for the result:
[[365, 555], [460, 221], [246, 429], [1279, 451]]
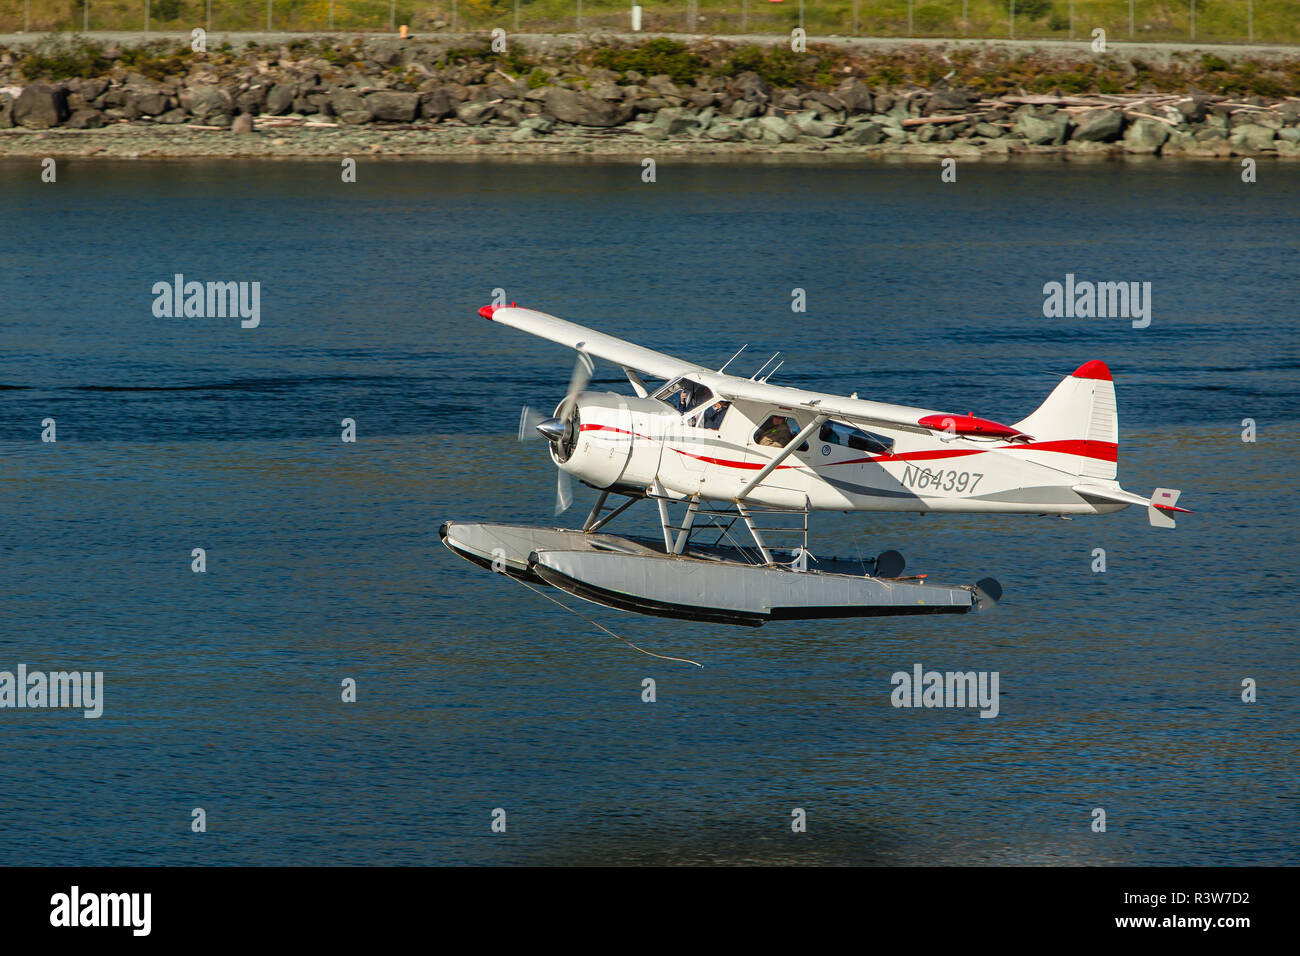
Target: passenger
[[713, 417], [775, 432]]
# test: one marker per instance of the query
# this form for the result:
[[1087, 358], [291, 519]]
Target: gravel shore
[[447, 142]]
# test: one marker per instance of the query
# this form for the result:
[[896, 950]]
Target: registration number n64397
[[962, 482]]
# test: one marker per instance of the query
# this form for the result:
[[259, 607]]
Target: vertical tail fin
[[1077, 428]]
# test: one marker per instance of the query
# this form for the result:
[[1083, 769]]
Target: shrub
[[652, 58], [58, 58]]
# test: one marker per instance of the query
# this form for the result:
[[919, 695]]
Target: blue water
[[1119, 690]]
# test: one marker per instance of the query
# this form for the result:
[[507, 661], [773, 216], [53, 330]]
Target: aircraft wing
[[731, 387], [593, 343], [851, 409]]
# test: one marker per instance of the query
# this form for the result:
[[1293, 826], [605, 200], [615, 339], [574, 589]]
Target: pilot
[[684, 399], [775, 432], [713, 416]]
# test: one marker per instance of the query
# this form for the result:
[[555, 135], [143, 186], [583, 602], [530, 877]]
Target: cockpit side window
[[777, 431], [712, 416], [838, 433]]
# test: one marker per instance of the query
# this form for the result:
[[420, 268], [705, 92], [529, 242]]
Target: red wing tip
[[487, 310], [1093, 369], [1185, 511], [969, 425]]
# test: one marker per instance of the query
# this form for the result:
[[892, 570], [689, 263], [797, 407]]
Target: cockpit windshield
[[684, 395]]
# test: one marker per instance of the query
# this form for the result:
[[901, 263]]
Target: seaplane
[[715, 452]]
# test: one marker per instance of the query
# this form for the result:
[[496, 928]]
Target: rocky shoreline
[[428, 99]]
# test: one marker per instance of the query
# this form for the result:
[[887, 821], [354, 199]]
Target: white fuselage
[[630, 443]]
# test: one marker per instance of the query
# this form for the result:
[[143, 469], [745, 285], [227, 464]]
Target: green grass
[[1275, 21]]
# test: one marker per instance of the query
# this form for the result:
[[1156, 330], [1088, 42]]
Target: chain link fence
[[1209, 21]]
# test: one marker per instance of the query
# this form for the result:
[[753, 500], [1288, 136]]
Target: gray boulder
[[753, 88], [242, 124], [147, 104], [605, 90], [393, 106], [436, 105], [698, 98], [343, 101], [865, 134], [1042, 132], [6, 111], [807, 123], [354, 117], [991, 130], [90, 89], [509, 114], [855, 95], [779, 128], [1099, 126], [1192, 108], [951, 101], [583, 109], [253, 99], [172, 117], [723, 131], [85, 119], [674, 120], [206, 102], [475, 113], [41, 106], [663, 85], [279, 99], [825, 104], [1145, 136], [1252, 137]]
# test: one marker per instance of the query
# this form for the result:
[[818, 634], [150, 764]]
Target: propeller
[[582, 371], [558, 430], [563, 492], [529, 419]]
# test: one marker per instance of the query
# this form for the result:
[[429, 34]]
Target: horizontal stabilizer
[[1162, 500]]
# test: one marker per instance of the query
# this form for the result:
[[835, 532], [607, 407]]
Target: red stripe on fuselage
[[1100, 450]]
